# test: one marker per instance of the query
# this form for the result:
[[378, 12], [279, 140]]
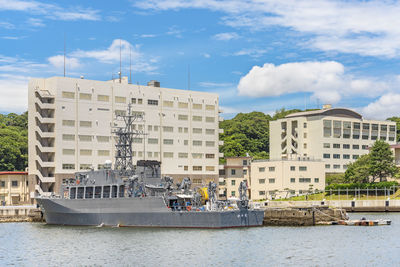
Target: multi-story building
[[338, 136], [236, 170], [286, 177], [71, 121], [14, 188]]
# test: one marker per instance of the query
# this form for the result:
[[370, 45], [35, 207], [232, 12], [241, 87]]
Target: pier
[[26, 213]]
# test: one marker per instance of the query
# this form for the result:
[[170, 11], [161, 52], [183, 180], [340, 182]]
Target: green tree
[[381, 163], [358, 171]]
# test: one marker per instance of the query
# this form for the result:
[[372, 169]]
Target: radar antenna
[[124, 136]]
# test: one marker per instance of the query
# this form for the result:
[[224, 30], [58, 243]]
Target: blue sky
[[258, 55]]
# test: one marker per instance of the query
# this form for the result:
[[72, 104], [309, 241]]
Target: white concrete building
[[338, 136], [272, 179], [70, 128]]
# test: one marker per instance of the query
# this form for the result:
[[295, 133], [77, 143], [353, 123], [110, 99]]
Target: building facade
[[338, 136], [284, 178], [236, 170], [14, 188], [71, 121]]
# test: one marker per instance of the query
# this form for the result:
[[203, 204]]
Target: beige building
[[272, 179], [14, 188], [338, 136], [70, 125], [236, 170]]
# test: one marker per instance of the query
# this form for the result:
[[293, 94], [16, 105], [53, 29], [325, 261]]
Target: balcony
[[221, 131], [220, 119], [220, 154], [220, 143]]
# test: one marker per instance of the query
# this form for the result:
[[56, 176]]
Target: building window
[[133, 100], [346, 146], [152, 141], [197, 143], [85, 166], [2, 183], [69, 123], [70, 95], [305, 145], [336, 145], [169, 155], [210, 156], [271, 180], [137, 140], [185, 142], [87, 124], [305, 180], [197, 118], [303, 168], [103, 98], [233, 172], [244, 172], [292, 180], [210, 119], [327, 166], [233, 182], [336, 166], [185, 168], [85, 96], [316, 180], [304, 135], [182, 117], [168, 129], [261, 193], [233, 193], [183, 105], [103, 153], [356, 146], [197, 130], [355, 156], [336, 156], [210, 107], [168, 104], [85, 138], [68, 166], [364, 147], [14, 183], [152, 102], [168, 141], [327, 145], [119, 113], [68, 137], [346, 156], [68, 151], [210, 143], [261, 181], [261, 169], [120, 99], [85, 152], [292, 168], [245, 162], [327, 156], [210, 168], [271, 169], [345, 167], [182, 155], [305, 125], [197, 106], [210, 131]]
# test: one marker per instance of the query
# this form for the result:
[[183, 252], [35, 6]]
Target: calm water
[[36, 244]]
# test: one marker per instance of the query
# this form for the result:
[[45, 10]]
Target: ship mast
[[124, 136]]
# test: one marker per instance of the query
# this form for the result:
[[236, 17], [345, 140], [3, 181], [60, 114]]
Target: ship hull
[[136, 212]]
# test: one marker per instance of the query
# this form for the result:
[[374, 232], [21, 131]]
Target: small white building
[[271, 179]]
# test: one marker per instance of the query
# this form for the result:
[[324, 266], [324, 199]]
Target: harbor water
[[37, 244]]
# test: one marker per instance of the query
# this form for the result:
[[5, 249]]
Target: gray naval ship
[[138, 196]]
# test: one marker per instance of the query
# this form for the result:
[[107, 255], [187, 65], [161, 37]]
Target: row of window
[[347, 125], [345, 146], [292, 180], [337, 156], [233, 172], [335, 166], [139, 101], [13, 184], [292, 168], [70, 166]]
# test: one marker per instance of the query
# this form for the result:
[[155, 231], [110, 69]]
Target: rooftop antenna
[[120, 61], [188, 76], [130, 65], [64, 53]]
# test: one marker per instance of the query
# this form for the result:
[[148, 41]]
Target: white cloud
[[51, 11], [6, 25], [226, 36], [14, 91], [206, 55], [327, 81], [252, 52], [214, 84], [148, 35], [362, 27], [35, 22], [70, 62], [384, 107]]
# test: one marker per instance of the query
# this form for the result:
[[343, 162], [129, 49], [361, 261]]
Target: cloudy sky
[[257, 54]]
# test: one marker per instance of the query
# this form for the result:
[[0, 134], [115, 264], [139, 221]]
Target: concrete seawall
[[28, 213], [348, 205], [305, 216]]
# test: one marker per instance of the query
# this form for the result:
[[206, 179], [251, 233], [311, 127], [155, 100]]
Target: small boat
[[364, 222]]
